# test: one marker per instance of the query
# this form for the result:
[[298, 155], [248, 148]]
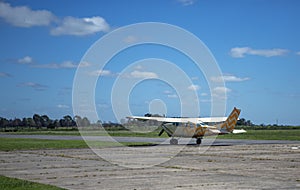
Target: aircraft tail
[[231, 121]]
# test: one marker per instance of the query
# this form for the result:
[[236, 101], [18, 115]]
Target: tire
[[174, 141], [199, 141]]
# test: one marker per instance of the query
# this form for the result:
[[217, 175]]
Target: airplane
[[195, 127]]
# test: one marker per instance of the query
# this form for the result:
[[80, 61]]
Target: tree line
[[43, 121]]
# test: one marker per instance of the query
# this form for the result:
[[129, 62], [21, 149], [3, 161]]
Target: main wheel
[[199, 140], [174, 141]]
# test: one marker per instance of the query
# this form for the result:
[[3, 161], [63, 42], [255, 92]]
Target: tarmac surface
[[240, 166]]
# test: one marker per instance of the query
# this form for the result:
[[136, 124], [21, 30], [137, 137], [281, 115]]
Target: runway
[[183, 141], [267, 166]]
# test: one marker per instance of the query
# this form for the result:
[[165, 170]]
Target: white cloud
[[62, 106], [63, 65], [23, 16], [81, 26], [172, 96], [167, 92], [194, 87], [229, 78], [103, 106], [239, 52], [2, 74], [205, 100], [101, 73], [220, 90], [142, 74], [130, 39], [187, 2], [25, 60], [203, 94], [35, 86], [298, 53]]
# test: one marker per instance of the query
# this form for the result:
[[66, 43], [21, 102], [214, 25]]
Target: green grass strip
[[7, 183], [10, 144], [293, 134]]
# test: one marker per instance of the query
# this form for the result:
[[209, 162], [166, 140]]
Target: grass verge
[[293, 134], [285, 134], [9, 144], [122, 133], [7, 183]]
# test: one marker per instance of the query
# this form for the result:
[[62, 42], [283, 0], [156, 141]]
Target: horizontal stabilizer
[[236, 131]]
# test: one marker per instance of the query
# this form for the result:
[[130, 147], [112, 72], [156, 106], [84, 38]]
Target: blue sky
[[255, 42]]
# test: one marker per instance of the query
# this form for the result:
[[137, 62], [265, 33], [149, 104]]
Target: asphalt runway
[[183, 141], [267, 166]]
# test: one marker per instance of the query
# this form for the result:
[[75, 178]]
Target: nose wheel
[[173, 141]]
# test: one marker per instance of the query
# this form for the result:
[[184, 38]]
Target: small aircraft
[[195, 127]]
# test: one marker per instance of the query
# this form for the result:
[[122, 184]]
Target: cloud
[[23, 16], [228, 78], [142, 74], [220, 92], [101, 73], [63, 65], [2, 74], [80, 26], [187, 2], [172, 96], [103, 106], [25, 60], [195, 78], [62, 106], [239, 52], [194, 87], [298, 53], [130, 39], [167, 92], [35, 86]]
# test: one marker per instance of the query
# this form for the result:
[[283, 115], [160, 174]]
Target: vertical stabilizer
[[230, 123]]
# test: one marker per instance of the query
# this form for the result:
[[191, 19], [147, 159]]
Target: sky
[[254, 42]]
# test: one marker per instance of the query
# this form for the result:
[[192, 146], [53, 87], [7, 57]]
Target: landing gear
[[199, 140], [174, 141]]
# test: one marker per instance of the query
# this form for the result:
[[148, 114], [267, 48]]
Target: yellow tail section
[[230, 123]]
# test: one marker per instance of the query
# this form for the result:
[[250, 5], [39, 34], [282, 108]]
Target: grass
[[7, 183], [292, 134], [9, 144], [122, 133], [262, 134]]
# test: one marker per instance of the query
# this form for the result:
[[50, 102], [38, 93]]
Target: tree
[[67, 121], [56, 124], [38, 121], [16, 123], [46, 122], [78, 120], [85, 122], [3, 122]]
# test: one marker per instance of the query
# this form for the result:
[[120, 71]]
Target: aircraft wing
[[212, 119], [160, 119], [181, 120]]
